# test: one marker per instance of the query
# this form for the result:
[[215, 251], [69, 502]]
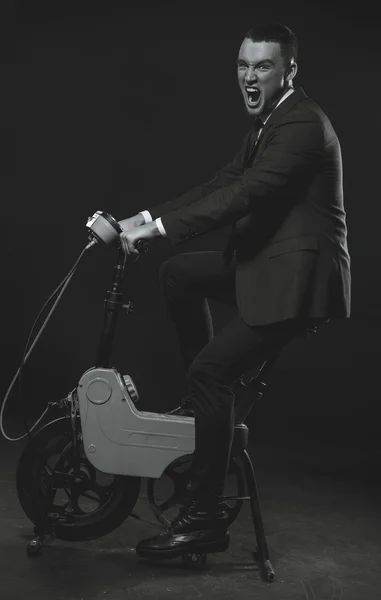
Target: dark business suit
[[290, 262]]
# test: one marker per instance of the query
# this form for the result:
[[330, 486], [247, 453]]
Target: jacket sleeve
[[226, 176], [295, 150]]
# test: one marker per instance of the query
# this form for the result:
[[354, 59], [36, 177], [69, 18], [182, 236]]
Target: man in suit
[[286, 264]]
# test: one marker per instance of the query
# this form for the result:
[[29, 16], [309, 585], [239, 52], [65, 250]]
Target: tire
[[54, 445]]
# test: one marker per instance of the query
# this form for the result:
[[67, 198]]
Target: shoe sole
[[198, 547]]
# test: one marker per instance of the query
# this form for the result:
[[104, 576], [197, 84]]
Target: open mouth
[[253, 95]]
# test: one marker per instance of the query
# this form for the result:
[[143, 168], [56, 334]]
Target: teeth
[[252, 89]]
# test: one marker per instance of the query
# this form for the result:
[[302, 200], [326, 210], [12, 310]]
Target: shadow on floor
[[321, 512]]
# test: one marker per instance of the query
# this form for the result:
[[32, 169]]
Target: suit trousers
[[213, 362]]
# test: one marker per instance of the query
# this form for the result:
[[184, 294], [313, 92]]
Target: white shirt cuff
[[146, 216], [160, 227]]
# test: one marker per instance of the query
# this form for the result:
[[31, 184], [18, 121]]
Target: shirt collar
[[285, 95]]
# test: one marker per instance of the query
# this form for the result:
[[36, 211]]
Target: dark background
[[120, 106]]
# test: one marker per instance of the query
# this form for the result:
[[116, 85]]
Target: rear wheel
[[88, 503], [168, 493]]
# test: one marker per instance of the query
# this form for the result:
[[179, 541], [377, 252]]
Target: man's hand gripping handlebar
[[104, 228]]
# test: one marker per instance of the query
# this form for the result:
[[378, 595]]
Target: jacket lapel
[[276, 115]]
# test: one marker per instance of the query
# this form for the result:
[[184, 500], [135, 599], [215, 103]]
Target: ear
[[291, 71]]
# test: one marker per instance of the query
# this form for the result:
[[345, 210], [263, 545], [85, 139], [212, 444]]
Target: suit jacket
[[284, 199]]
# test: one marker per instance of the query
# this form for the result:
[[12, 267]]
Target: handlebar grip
[[141, 246]]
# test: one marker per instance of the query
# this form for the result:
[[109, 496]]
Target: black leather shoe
[[184, 410], [196, 529]]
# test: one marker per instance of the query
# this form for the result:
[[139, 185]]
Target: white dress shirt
[[146, 214]]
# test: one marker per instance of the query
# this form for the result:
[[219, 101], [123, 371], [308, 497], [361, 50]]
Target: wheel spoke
[[86, 494], [101, 491], [75, 496], [179, 481]]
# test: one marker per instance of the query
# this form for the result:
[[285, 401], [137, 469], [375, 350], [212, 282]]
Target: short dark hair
[[276, 32]]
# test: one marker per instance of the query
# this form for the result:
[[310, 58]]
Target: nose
[[250, 75]]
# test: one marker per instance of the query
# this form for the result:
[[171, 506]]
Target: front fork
[[70, 407], [74, 420]]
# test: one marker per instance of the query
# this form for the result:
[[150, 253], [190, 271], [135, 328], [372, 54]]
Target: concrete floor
[[321, 508]]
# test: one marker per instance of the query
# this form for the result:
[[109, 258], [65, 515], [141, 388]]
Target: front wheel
[[89, 504]]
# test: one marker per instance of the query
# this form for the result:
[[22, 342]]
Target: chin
[[253, 112]]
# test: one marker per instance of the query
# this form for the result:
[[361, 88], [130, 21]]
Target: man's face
[[261, 76]]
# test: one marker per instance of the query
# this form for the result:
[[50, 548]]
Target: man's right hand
[[131, 222]]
